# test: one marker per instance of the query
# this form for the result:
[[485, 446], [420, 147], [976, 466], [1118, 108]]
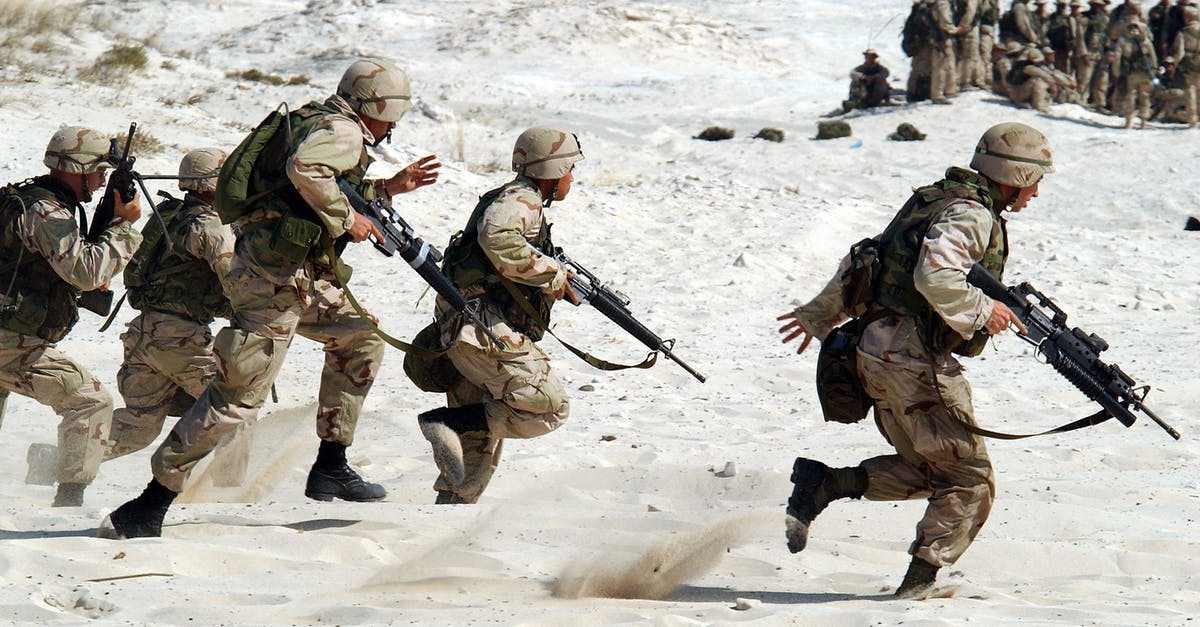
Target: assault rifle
[[399, 238], [121, 182], [615, 306], [124, 181], [1074, 353]]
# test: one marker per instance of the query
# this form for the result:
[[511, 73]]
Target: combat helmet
[[199, 169], [1014, 154], [376, 88], [545, 153], [78, 150]]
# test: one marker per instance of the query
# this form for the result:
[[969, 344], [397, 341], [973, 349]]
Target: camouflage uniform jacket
[[505, 230], [330, 144], [57, 263], [1135, 55], [190, 280], [1186, 49], [957, 239]]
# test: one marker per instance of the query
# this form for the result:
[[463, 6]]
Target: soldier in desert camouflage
[[1185, 51], [177, 281], [504, 391], [1138, 65], [44, 265], [278, 288], [923, 310]]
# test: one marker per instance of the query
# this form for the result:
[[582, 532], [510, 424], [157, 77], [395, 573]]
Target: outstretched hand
[[795, 329], [419, 173]]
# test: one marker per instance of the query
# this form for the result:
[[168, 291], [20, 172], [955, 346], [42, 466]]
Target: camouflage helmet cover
[[199, 169], [545, 153], [77, 150], [1014, 154], [376, 88]]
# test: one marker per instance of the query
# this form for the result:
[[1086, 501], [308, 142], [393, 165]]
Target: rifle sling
[[1086, 421], [591, 360], [393, 342]]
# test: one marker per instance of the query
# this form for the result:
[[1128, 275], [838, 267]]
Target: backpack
[[914, 35], [234, 197]]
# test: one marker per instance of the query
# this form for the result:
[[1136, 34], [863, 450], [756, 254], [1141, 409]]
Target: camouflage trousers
[[936, 458], [269, 311], [1136, 98], [1193, 98], [969, 66], [168, 363], [1084, 71], [943, 80], [33, 367], [521, 396], [986, 42]]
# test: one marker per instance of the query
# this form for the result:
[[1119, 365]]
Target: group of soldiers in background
[[1127, 61]]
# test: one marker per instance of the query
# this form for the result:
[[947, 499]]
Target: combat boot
[[331, 477], [446, 497], [69, 495], [918, 581], [444, 428], [817, 485], [140, 518]]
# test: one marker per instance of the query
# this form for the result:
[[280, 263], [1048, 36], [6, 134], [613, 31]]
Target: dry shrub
[[259, 76], [38, 17], [117, 63], [143, 143]]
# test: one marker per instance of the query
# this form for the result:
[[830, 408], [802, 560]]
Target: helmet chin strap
[[553, 192], [85, 188]]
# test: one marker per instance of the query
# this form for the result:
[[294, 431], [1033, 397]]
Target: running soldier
[[922, 311], [46, 264], [278, 288], [177, 281], [503, 391]]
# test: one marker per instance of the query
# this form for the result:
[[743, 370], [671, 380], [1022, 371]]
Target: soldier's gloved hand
[[363, 228], [127, 211], [795, 329]]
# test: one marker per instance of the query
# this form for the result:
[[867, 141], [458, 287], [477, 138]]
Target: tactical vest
[[1137, 61], [300, 233], [1096, 33], [173, 280], [1008, 28], [900, 248], [34, 300], [1190, 64], [468, 267], [1059, 32]]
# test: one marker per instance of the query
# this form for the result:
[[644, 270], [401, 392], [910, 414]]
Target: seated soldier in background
[[868, 84]]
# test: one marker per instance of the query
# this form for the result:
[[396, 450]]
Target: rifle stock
[[1073, 353]]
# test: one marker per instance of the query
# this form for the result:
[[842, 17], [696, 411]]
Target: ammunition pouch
[[98, 302], [843, 398], [428, 367], [294, 237]]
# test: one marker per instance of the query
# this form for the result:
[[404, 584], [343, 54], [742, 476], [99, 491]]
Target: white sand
[[1097, 527]]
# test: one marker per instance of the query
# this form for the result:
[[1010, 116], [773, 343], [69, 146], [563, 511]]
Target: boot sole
[[326, 498]]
